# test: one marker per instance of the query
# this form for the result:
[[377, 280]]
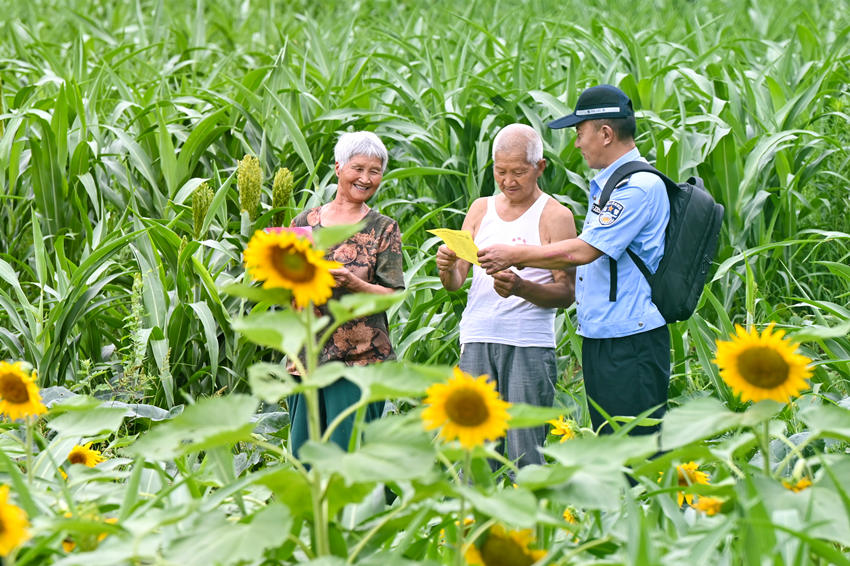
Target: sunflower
[[708, 505], [570, 516], [14, 526], [563, 428], [502, 547], [88, 541], [688, 474], [467, 408], [19, 396], [283, 259], [85, 455], [800, 485], [762, 367]]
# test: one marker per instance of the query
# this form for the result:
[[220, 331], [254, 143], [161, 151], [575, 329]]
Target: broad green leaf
[[271, 382], [396, 448], [89, 421], [357, 305], [548, 476], [217, 540], [289, 486], [216, 421], [392, 379], [282, 330], [809, 333], [331, 235], [707, 417], [516, 507], [591, 488], [524, 415], [275, 295], [827, 421], [603, 452]]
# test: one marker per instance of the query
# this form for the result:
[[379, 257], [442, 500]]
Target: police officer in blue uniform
[[626, 345]]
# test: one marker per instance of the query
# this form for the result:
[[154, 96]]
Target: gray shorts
[[522, 375]]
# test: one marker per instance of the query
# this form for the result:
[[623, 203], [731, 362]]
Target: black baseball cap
[[603, 101]]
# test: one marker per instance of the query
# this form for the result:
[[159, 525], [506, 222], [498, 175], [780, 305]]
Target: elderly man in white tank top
[[508, 327]]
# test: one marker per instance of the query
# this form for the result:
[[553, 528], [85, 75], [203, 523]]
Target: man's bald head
[[519, 138]]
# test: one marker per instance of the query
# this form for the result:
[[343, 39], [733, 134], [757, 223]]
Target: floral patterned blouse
[[374, 255]]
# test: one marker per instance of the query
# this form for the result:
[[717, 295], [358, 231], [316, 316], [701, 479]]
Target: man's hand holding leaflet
[[460, 242]]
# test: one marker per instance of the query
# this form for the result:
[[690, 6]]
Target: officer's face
[[590, 139], [515, 176]]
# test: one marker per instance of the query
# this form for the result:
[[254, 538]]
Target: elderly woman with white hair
[[372, 263]]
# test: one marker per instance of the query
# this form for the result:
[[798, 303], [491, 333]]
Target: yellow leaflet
[[460, 242]]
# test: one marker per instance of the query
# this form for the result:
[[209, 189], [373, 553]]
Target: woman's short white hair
[[515, 136], [360, 143]]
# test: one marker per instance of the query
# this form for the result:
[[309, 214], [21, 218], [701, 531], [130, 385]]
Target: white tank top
[[491, 318]]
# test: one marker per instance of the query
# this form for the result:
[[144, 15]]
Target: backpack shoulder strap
[[623, 171], [626, 170]]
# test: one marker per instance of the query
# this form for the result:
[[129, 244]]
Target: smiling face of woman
[[359, 178]]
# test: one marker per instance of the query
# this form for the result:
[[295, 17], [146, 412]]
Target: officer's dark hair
[[624, 128]]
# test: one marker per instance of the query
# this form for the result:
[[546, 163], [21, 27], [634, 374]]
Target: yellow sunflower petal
[[467, 409], [688, 474], [19, 395], [85, 455], [282, 259], [473, 556], [503, 547], [798, 486], [14, 525], [562, 427], [762, 366], [708, 505]]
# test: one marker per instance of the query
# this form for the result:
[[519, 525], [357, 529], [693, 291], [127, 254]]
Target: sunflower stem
[[29, 425], [765, 448], [466, 479], [314, 427]]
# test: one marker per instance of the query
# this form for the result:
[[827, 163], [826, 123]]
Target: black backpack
[[690, 243]]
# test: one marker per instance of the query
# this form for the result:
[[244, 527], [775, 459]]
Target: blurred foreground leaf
[[220, 541], [827, 420], [218, 421], [707, 417]]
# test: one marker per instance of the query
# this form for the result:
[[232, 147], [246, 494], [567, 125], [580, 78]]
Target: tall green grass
[[115, 113]]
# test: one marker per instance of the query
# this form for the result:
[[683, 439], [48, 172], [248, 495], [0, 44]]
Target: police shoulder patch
[[610, 213]]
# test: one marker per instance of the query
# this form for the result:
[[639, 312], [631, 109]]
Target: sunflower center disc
[[13, 390], [467, 407], [498, 550], [77, 458], [763, 367], [293, 265]]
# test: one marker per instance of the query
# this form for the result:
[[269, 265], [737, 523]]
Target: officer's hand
[[506, 283], [495, 258], [446, 258]]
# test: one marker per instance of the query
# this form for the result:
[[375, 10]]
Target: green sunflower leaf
[[216, 421]]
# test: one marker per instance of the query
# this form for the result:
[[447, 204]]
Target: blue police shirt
[[635, 217]]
